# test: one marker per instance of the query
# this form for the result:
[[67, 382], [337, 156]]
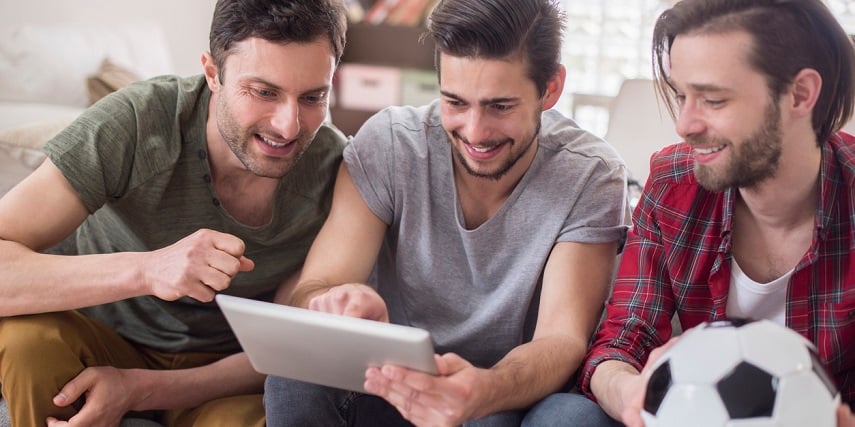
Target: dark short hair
[[788, 36], [281, 21], [500, 29]]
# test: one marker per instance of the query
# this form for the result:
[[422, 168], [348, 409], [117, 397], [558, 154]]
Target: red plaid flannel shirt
[[677, 259]]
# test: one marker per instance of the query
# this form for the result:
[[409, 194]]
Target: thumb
[[246, 264], [450, 363], [71, 391]]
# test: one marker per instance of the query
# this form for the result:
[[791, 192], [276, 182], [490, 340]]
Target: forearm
[[609, 385], [530, 372], [187, 388], [31, 282]]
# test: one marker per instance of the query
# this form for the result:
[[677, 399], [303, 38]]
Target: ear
[[211, 71], [805, 90], [554, 88]]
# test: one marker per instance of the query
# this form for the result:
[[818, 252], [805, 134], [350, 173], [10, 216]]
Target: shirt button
[[216, 201], [207, 178], [202, 154]]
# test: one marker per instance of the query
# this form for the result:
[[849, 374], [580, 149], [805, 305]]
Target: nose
[[689, 121], [475, 126], [286, 119]]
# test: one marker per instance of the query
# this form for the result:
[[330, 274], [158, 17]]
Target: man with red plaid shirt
[[752, 216]]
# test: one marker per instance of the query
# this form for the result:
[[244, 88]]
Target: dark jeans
[[294, 403]]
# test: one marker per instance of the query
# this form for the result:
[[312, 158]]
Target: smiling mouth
[[484, 149], [709, 150], [273, 143]]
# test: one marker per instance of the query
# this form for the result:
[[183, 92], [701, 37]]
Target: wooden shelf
[[389, 45], [385, 45]]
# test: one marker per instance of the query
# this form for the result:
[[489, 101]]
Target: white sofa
[[43, 86], [43, 80]]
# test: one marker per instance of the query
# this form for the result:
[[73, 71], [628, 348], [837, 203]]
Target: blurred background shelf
[[382, 65]]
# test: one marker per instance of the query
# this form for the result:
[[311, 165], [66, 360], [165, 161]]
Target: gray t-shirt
[[477, 291], [138, 159]]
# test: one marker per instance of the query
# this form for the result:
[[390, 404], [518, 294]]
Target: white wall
[[185, 23]]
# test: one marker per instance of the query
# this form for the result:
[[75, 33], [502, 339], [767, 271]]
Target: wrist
[[306, 290], [609, 384], [133, 265], [141, 384], [490, 397]]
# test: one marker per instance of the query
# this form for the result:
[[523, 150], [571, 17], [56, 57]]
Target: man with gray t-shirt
[[485, 217]]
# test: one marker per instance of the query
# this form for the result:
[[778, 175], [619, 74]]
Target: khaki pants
[[41, 353]]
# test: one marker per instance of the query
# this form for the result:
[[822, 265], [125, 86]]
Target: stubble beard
[[239, 141], [497, 174]]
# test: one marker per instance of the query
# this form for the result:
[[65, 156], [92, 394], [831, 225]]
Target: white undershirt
[[749, 299]]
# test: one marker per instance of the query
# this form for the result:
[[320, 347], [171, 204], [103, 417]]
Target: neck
[[790, 197], [480, 198], [246, 196]]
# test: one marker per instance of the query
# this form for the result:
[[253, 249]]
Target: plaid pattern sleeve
[[677, 261]]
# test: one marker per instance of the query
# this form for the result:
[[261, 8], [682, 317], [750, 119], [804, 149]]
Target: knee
[[241, 410], [26, 336], [568, 409], [277, 395], [291, 402], [274, 389], [278, 390]]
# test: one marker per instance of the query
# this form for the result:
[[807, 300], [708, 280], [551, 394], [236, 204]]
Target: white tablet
[[322, 348]]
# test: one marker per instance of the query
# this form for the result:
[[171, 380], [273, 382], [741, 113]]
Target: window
[[607, 41], [844, 10]]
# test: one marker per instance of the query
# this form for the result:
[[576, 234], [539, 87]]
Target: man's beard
[[497, 174], [753, 161], [240, 139]]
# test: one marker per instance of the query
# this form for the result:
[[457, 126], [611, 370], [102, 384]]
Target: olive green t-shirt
[[138, 160]]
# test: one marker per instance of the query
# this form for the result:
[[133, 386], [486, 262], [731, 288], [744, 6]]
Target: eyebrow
[[702, 87], [324, 88], [482, 102]]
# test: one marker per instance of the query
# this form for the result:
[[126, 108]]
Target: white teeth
[[273, 143], [709, 150], [482, 149]]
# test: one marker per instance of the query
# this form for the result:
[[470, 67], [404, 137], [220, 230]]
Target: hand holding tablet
[[322, 348]]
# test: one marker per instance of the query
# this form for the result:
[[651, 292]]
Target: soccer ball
[[740, 373]]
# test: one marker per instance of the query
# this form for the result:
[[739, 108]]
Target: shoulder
[[168, 88], [405, 118], [563, 138], [330, 137], [401, 128], [155, 103], [324, 152], [673, 164], [843, 146], [672, 192]]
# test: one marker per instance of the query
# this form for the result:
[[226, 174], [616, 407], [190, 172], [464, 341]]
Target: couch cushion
[[23, 144], [17, 114], [109, 78], [4, 414]]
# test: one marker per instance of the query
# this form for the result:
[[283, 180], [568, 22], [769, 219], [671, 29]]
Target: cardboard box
[[368, 87]]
